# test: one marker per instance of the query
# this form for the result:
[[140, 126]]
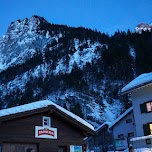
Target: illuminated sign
[[45, 132], [74, 148]]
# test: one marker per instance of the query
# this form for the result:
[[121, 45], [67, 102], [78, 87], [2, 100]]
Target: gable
[[121, 117], [45, 106]]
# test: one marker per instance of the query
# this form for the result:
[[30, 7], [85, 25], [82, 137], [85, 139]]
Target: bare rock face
[[143, 27], [21, 40]]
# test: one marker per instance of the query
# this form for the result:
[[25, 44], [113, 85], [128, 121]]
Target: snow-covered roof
[[42, 104], [140, 81], [121, 117], [140, 150], [141, 138], [105, 123]]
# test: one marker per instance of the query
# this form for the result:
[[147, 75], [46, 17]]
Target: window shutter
[[143, 108], [146, 128]]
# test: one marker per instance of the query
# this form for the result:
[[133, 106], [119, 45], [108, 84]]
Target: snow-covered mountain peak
[[143, 27], [21, 41], [20, 27]]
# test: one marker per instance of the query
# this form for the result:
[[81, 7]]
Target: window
[[148, 141], [128, 120], [76, 148], [46, 121], [147, 128], [130, 134], [121, 136], [150, 128], [143, 108], [149, 106], [146, 107]]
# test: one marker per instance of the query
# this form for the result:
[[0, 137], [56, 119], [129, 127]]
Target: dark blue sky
[[104, 15]]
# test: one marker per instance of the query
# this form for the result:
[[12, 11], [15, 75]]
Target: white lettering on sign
[[45, 132]]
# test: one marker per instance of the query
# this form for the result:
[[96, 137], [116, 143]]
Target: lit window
[[149, 106], [150, 128], [128, 120], [46, 121]]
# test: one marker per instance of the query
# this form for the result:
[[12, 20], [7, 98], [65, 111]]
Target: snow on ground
[[76, 43], [79, 57], [143, 150], [21, 80], [47, 34], [141, 138], [42, 69], [110, 112], [132, 53], [96, 111]]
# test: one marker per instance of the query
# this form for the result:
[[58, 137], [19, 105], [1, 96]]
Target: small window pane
[[146, 129], [128, 120], [46, 121], [149, 106]]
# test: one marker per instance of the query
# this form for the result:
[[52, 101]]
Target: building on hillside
[[141, 94], [101, 141], [123, 128], [42, 126]]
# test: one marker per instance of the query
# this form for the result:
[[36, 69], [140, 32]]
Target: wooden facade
[[17, 131]]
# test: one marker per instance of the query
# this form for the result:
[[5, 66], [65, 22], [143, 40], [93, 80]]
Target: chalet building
[[101, 140], [141, 94], [42, 126], [123, 129]]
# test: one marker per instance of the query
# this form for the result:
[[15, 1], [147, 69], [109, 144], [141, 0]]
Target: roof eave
[[111, 127], [51, 108], [135, 88], [81, 126]]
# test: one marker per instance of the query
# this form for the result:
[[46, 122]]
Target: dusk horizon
[[107, 17]]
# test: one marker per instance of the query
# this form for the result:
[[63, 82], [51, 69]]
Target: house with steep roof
[[101, 140], [123, 129], [141, 93], [42, 126]]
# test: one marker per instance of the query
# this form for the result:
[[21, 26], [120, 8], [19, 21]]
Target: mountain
[[81, 69], [143, 27]]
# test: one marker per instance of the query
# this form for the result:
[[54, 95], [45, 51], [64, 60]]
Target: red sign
[[45, 131]]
